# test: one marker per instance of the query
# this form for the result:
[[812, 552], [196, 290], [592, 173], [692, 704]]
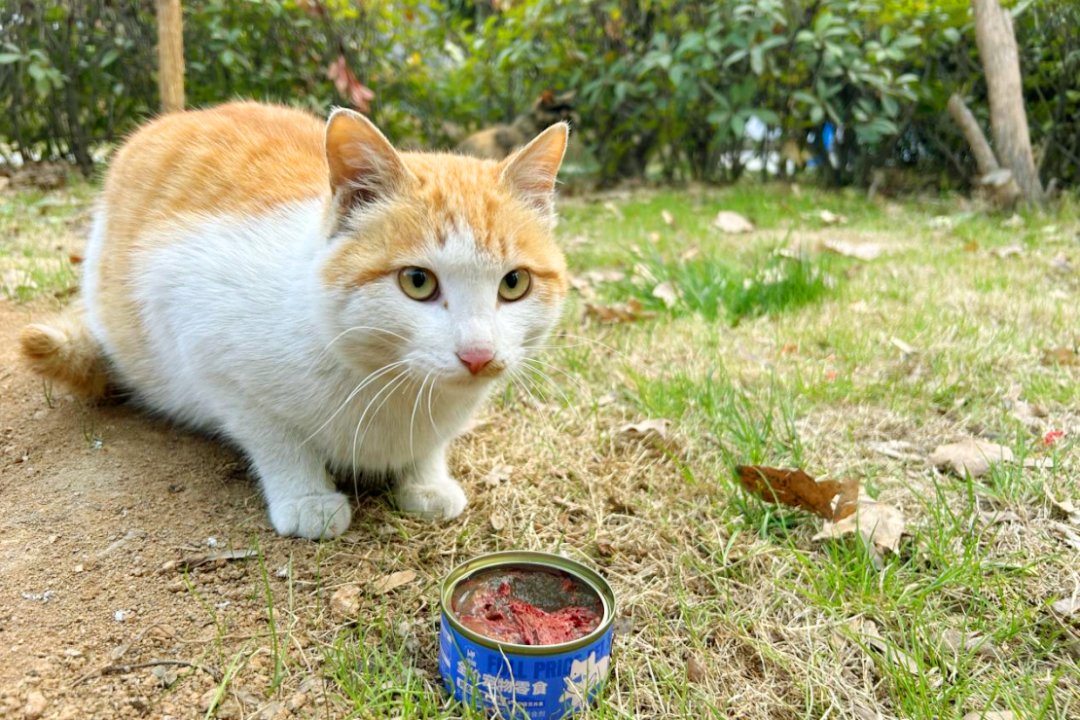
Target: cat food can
[[532, 672]]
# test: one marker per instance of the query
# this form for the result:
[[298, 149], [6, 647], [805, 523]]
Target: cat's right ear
[[364, 166]]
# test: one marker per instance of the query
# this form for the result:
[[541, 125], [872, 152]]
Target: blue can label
[[525, 687]]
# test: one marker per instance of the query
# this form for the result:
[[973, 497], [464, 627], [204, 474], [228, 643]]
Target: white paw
[[316, 517], [440, 501]]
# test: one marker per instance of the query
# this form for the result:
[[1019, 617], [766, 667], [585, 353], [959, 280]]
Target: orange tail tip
[[64, 350]]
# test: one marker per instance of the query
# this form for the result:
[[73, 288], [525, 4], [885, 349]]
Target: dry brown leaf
[[629, 311], [971, 642], [1061, 356], [831, 218], [1067, 607], [732, 223], [666, 291], [655, 428], [894, 449], [997, 517], [695, 671], [991, 715], [1068, 535], [1066, 508], [860, 251], [497, 475], [868, 634], [393, 580], [903, 346], [345, 602], [669, 219], [830, 499], [1008, 251], [970, 456], [879, 524]]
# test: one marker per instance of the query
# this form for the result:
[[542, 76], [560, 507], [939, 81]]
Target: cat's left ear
[[364, 166], [530, 172]]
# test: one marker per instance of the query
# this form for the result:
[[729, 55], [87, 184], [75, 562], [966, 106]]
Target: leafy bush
[[689, 88]]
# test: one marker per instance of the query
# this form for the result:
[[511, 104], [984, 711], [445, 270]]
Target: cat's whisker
[[362, 384], [431, 415], [556, 388], [587, 341], [403, 380], [360, 422], [519, 380], [580, 385], [412, 420], [345, 332]]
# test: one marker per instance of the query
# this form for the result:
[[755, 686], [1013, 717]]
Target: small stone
[[176, 587], [296, 702], [35, 705], [40, 415], [122, 615]]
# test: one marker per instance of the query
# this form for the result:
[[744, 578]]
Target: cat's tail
[[64, 350]]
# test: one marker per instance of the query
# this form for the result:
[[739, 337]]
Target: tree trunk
[[1001, 63], [170, 55], [980, 148], [1001, 183]]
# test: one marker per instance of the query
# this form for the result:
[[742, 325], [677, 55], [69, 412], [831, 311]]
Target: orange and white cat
[[323, 300]]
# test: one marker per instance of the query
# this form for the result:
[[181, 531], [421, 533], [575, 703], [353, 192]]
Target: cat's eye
[[514, 285], [418, 283]]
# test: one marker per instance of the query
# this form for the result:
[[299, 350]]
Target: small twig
[[124, 669]]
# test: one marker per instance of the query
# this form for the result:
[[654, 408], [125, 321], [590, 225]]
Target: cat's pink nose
[[476, 359]]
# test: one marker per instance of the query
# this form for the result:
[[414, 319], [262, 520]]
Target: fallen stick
[[124, 669]]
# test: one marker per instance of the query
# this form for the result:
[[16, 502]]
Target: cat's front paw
[[444, 500], [323, 516]]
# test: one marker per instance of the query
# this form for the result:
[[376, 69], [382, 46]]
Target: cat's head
[[444, 263]]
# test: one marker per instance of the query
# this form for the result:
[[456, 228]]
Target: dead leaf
[[970, 643], [732, 223], [860, 251], [695, 671], [880, 525], [690, 253], [1008, 251], [194, 561], [894, 449], [393, 580], [991, 715], [669, 219], [830, 218], [1067, 607], [970, 456], [994, 518], [1068, 535], [830, 499], [971, 246], [1066, 508], [614, 210], [868, 634], [348, 86], [1062, 264], [1061, 356], [656, 428], [497, 475], [498, 522], [666, 291], [903, 346], [605, 548], [345, 602], [629, 311]]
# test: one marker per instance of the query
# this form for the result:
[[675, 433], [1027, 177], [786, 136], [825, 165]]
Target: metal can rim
[[579, 570]]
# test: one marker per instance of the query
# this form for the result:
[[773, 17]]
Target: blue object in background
[[828, 134]]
